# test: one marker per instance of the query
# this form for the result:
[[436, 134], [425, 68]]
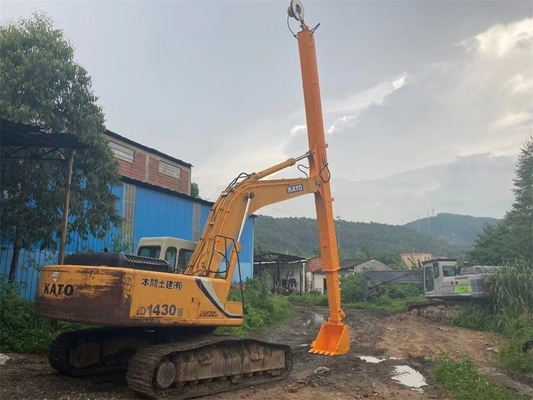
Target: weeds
[[464, 382], [512, 288], [261, 306], [510, 313], [21, 331], [313, 298], [383, 303]]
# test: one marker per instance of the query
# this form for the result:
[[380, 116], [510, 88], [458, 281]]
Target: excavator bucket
[[332, 340]]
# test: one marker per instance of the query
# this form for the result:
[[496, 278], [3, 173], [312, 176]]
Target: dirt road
[[390, 358]]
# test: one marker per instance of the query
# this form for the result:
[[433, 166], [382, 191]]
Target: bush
[[512, 288], [21, 331], [352, 288], [261, 306], [401, 291], [477, 317], [510, 313], [511, 356], [391, 298]]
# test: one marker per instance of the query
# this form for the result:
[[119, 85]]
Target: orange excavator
[[157, 325]]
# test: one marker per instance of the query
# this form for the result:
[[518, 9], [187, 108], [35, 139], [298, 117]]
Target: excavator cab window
[[149, 251], [436, 272], [429, 279], [170, 256], [183, 259], [448, 270]]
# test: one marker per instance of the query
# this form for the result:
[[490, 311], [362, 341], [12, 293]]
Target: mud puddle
[[409, 377], [403, 374]]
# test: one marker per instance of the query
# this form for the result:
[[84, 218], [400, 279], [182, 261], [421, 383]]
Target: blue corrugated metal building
[[154, 199]]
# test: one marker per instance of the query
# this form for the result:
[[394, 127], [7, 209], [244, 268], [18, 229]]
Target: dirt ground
[[397, 343]]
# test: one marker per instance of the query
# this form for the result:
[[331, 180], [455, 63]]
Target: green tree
[[43, 85], [260, 248], [520, 217], [393, 260], [512, 238], [195, 190], [362, 254]]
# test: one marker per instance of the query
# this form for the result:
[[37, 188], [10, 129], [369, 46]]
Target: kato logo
[[295, 188], [58, 289]]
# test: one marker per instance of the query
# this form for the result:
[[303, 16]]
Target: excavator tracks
[[98, 351], [443, 310], [206, 366], [171, 363]]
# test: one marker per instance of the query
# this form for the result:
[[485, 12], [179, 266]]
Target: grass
[[383, 303], [311, 298], [463, 382], [511, 314], [21, 331]]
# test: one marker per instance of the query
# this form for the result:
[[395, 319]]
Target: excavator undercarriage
[[445, 310], [171, 363]]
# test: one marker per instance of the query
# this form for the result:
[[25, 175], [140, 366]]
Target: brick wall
[[135, 170], [157, 178], [145, 168]]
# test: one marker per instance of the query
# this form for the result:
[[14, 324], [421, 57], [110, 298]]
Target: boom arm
[[224, 226], [220, 239]]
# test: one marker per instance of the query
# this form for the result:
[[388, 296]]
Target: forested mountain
[[457, 229], [299, 236]]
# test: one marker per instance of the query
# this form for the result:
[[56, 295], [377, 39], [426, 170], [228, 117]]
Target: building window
[[169, 169], [129, 209], [122, 152]]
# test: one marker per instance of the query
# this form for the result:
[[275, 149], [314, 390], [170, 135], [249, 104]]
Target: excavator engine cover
[[120, 260]]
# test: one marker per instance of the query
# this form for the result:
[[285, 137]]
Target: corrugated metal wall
[[77, 244], [160, 214], [27, 273], [155, 214]]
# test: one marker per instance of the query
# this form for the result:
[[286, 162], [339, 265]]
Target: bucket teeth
[[322, 352]]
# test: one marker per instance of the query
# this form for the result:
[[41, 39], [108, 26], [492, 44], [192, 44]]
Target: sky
[[426, 103]]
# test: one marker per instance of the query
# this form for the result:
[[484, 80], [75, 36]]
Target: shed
[[317, 277], [287, 271]]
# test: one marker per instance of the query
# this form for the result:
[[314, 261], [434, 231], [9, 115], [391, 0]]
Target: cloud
[[478, 185], [360, 101], [442, 135], [520, 84], [298, 129], [511, 120], [354, 105], [343, 123], [501, 40]]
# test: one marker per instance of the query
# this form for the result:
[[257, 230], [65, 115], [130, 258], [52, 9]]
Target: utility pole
[[64, 222]]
